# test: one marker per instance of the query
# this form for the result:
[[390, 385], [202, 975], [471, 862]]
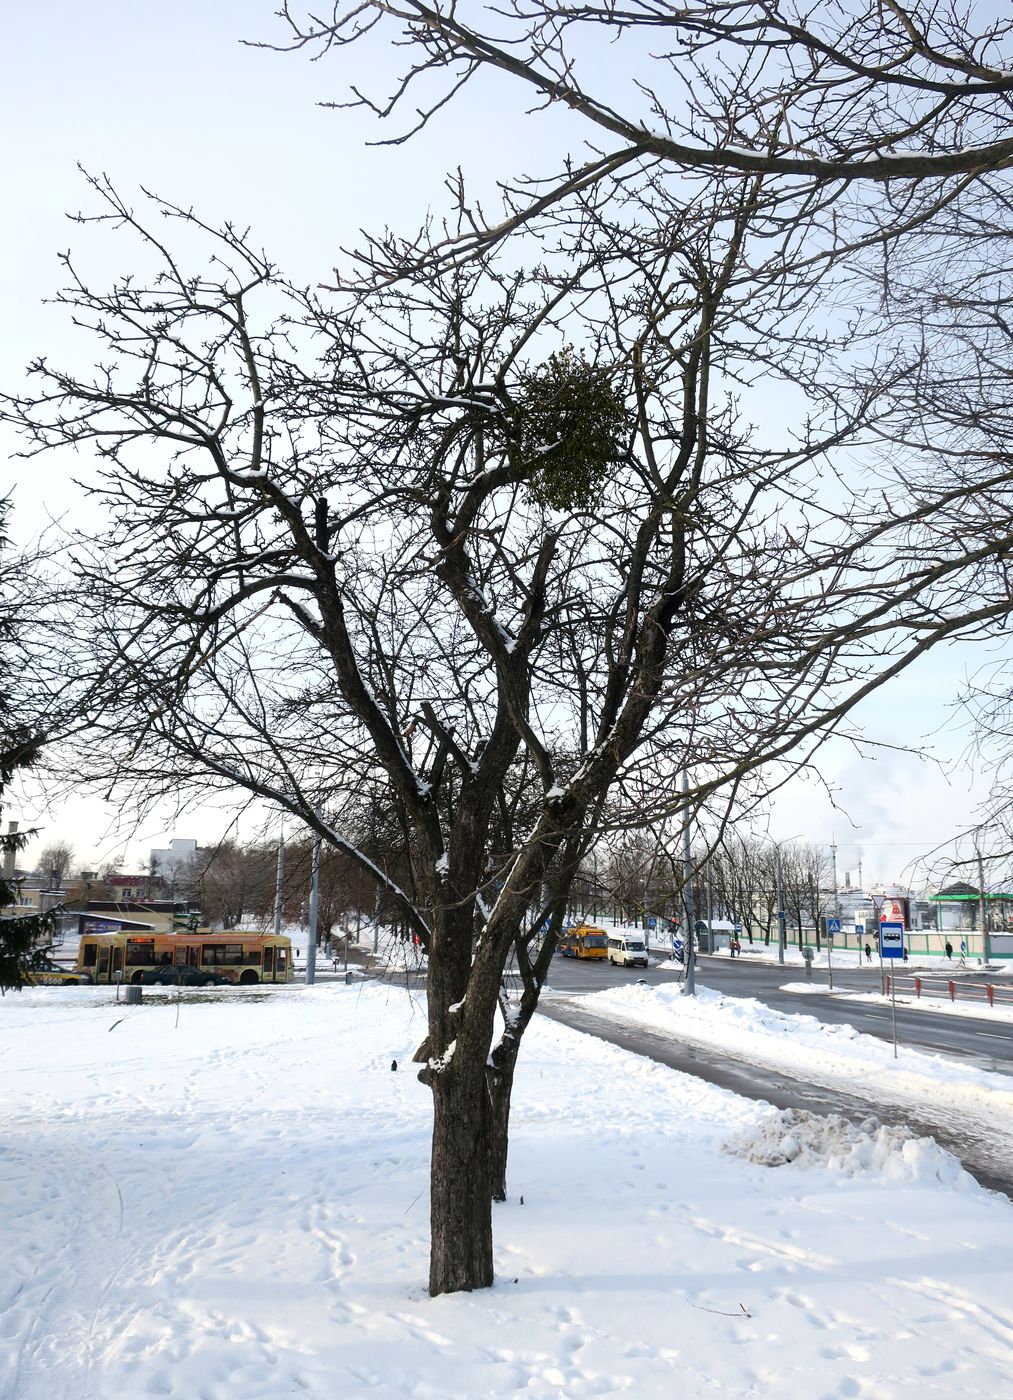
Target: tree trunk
[[500, 1081], [460, 1204]]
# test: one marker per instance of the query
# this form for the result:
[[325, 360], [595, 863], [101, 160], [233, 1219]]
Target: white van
[[627, 950]]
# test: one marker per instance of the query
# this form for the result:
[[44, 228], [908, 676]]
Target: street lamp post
[[877, 919], [279, 889], [986, 920], [779, 896], [311, 947], [687, 889]]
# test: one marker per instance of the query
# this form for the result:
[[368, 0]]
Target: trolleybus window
[[223, 954]]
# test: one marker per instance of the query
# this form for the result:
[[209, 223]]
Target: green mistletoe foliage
[[571, 427]]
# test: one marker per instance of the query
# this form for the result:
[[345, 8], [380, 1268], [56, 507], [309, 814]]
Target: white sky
[[166, 96]]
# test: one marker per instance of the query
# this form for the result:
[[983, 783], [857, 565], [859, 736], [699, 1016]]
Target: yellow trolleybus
[[192, 957], [584, 941]]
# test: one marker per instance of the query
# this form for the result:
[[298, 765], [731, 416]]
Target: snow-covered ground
[[226, 1196]]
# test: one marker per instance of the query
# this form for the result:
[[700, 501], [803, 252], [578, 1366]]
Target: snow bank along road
[[233, 1207], [798, 1059]]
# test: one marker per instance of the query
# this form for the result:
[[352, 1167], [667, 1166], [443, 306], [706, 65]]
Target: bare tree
[[743, 869], [946, 426], [493, 548], [814, 865], [911, 98], [627, 874], [234, 883], [55, 862], [805, 870]]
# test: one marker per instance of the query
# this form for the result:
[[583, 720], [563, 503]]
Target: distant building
[[136, 886], [958, 907], [169, 860], [128, 916]]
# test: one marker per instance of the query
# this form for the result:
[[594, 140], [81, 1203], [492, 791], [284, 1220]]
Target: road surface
[[987, 1045]]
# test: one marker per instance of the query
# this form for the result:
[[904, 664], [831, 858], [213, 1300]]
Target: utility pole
[[779, 896], [710, 908], [687, 892], [279, 895], [986, 939], [877, 919], [376, 892], [837, 912], [833, 867], [311, 947]]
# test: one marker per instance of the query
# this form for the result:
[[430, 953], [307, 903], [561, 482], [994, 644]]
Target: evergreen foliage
[[571, 426], [20, 935]]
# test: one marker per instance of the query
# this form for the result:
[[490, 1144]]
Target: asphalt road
[[970, 1038]]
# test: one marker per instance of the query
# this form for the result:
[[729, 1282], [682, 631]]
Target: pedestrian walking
[[868, 953], [949, 950]]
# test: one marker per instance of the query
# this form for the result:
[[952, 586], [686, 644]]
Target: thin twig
[[718, 1312]]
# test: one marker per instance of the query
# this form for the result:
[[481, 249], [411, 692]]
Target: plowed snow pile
[[797, 1138]]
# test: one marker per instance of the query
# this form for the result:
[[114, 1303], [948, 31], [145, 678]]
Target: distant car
[[46, 973]]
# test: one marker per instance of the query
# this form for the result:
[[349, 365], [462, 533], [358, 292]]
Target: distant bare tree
[[235, 883], [805, 870], [55, 862], [744, 875], [627, 874]]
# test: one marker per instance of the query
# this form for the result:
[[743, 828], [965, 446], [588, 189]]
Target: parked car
[[46, 973]]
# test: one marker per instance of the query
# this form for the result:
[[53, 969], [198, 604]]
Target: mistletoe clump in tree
[[571, 429]]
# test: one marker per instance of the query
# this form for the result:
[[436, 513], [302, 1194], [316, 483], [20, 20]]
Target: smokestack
[[12, 830]]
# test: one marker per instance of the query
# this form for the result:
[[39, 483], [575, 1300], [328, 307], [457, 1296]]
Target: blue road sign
[[738, 928], [652, 923], [891, 939], [833, 925]]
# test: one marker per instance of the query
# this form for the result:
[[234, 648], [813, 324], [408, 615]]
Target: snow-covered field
[[226, 1197]]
